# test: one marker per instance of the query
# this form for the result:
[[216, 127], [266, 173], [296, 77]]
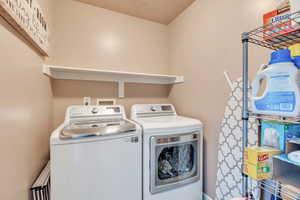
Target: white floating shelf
[[74, 73]]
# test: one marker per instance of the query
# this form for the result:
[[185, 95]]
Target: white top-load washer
[[172, 153], [96, 154]]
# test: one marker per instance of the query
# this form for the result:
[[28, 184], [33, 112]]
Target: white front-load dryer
[[172, 153], [96, 154]]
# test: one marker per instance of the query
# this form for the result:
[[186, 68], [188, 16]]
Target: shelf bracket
[[121, 89]]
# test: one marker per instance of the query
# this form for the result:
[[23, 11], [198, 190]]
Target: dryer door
[[174, 161]]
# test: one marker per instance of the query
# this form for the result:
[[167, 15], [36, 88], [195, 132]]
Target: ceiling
[[161, 11]]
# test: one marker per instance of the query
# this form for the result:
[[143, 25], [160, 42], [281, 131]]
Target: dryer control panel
[[152, 110]]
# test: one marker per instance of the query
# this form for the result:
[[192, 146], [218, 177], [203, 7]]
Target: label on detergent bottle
[[280, 101]]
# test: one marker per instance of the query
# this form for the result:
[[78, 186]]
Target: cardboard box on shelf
[[275, 134], [258, 162], [258, 171], [281, 25]]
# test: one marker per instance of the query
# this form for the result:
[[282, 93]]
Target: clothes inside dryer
[[175, 161]]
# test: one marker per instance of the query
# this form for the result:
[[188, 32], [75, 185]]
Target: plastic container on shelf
[[295, 7], [282, 4], [282, 94], [295, 53], [295, 50], [294, 4]]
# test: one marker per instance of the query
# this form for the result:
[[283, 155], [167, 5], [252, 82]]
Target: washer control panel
[[94, 111]]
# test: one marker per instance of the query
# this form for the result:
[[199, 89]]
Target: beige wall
[[25, 113], [67, 93], [200, 44], [205, 41], [88, 36], [31, 104]]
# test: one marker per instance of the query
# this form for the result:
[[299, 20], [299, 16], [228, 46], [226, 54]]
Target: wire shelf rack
[[277, 35], [291, 120], [278, 190], [280, 34]]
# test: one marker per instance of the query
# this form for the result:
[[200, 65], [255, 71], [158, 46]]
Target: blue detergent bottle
[[282, 94]]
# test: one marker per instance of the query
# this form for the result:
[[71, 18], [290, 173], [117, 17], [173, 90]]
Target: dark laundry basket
[[41, 187]]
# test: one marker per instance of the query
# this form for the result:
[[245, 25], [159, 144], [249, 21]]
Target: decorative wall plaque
[[28, 19]]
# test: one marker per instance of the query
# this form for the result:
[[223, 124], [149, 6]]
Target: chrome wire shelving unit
[[279, 190], [277, 35], [274, 36], [292, 120]]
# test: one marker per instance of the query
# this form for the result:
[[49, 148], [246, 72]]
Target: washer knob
[[153, 109], [95, 110]]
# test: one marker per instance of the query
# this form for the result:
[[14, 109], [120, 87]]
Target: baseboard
[[206, 197]]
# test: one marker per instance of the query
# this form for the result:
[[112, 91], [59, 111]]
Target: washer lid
[[167, 122], [92, 128]]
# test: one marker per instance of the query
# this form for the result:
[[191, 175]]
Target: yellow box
[[258, 162], [259, 171], [257, 154]]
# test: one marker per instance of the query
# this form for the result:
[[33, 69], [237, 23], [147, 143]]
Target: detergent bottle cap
[[295, 50], [280, 56]]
